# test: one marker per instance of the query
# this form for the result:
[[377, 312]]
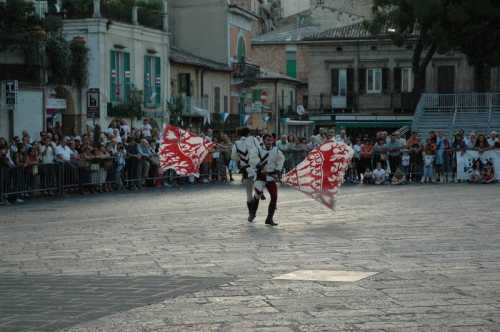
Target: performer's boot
[[253, 206], [270, 215]]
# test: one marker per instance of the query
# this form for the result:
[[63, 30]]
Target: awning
[[200, 112], [372, 124], [299, 123]]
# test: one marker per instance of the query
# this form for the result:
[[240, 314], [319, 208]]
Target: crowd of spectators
[[393, 159], [120, 157], [397, 160]]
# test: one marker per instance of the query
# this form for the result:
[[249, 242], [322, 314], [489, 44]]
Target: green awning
[[372, 124]]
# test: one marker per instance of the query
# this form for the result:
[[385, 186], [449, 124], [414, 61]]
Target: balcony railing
[[404, 103], [149, 14], [188, 106], [246, 72]]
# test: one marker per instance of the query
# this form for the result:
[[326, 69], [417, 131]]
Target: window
[[152, 81], [343, 82], [226, 105], [216, 99], [242, 49], [374, 80], [184, 84], [446, 79], [291, 63], [406, 80], [120, 76]]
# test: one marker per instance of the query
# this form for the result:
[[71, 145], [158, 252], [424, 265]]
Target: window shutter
[[385, 80], [350, 88], [397, 80], [335, 82], [127, 80], [113, 77], [291, 68], [158, 81], [362, 80], [256, 95], [291, 63], [147, 80]]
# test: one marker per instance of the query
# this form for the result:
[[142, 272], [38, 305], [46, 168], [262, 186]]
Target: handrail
[[490, 111], [483, 105], [454, 122]]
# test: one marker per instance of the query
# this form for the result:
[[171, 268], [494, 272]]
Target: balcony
[[372, 104], [189, 106], [148, 14], [245, 73]]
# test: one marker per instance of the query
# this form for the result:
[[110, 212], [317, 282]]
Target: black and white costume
[[267, 165], [241, 152]]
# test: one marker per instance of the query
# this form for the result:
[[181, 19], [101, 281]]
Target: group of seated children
[[482, 172]]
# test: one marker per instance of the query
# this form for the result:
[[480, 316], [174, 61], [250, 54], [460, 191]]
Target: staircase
[[479, 112]]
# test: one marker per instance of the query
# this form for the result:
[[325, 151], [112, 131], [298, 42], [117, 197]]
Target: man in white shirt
[[266, 164], [146, 129], [63, 151], [47, 151], [492, 138]]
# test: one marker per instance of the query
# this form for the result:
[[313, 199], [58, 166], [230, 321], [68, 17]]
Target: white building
[[122, 57]]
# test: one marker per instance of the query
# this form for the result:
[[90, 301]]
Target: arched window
[[242, 49]]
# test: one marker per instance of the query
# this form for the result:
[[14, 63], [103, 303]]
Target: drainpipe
[[276, 107], [97, 9]]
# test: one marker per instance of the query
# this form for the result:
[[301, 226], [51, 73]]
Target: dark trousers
[[272, 188], [395, 163]]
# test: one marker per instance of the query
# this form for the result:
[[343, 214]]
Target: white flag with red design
[[183, 151], [321, 174]]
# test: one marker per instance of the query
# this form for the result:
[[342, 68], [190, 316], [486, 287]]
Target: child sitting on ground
[[368, 177], [489, 173], [379, 174], [399, 177], [476, 176]]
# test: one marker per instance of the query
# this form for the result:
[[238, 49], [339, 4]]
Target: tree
[[479, 37], [440, 26]]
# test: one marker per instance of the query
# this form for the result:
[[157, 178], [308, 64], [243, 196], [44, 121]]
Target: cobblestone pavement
[[188, 261]]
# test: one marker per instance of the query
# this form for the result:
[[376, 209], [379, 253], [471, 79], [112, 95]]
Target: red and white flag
[[183, 151], [321, 174]]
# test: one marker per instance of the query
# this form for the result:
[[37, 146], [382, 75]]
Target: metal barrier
[[93, 175], [293, 158]]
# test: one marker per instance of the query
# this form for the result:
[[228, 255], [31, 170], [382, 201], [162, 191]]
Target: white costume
[[267, 164], [241, 152]]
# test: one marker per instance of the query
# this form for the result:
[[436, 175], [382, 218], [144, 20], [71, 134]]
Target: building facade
[[223, 34], [200, 89], [357, 79], [123, 57]]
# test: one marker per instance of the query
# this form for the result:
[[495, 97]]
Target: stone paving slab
[[436, 251], [49, 303]]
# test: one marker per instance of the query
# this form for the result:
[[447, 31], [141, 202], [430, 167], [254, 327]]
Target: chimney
[[164, 15], [97, 9], [135, 15]]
